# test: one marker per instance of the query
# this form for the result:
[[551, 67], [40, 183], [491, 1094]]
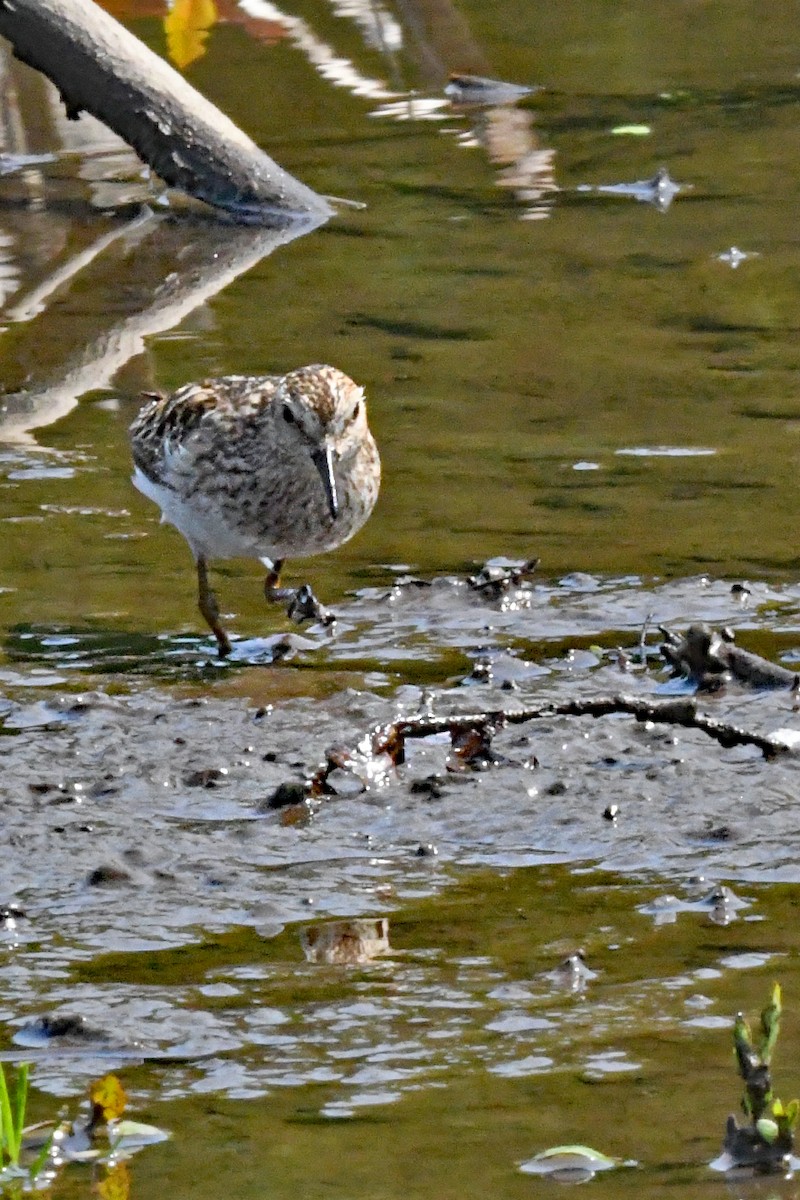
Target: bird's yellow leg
[[272, 589], [207, 603]]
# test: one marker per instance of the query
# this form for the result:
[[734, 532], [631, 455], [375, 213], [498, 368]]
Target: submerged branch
[[711, 658], [681, 711], [471, 733], [101, 68]]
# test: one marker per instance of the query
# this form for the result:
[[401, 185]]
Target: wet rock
[[471, 749], [109, 875], [292, 792], [495, 580], [9, 915], [432, 787], [64, 1028], [206, 777], [721, 833], [572, 972], [611, 812], [426, 850], [297, 814], [42, 789]]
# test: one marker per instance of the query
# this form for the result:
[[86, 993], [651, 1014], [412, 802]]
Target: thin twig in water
[[643, 639], [390, 739]]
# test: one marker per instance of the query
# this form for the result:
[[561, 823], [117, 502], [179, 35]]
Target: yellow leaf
[[108, 1096], [187, 26]]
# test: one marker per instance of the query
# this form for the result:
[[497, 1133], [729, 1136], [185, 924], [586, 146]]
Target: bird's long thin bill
[[323, 461]]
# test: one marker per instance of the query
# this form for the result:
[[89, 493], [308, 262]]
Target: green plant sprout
[[766, 1142], [12, 1116], [13, 1106]]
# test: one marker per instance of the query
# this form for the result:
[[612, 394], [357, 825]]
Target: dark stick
[[390, 739], [682, 711], [99, 67]]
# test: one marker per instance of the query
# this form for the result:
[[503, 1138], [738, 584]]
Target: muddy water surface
[[362, 995]]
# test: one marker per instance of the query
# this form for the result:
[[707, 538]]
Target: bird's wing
[[169, 426]]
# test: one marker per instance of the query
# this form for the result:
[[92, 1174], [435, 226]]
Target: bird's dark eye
[[288, 415], [356, 412]]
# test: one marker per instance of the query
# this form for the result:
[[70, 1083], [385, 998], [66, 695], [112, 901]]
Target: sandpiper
[[267, 467]]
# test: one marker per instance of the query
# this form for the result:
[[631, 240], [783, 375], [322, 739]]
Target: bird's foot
[[304, 606]]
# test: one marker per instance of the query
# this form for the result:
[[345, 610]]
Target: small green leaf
[[134, 1133], [632, 130], [770, 1024], [567, 1158], [741, 1032], [768, 1130]]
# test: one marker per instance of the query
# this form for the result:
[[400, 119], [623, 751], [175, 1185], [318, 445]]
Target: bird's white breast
[[203, 529]]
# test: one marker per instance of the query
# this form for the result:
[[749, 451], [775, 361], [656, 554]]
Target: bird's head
[[321, 409]]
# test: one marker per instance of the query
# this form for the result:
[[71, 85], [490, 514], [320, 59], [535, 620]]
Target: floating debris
[[734, 256], [710, 659], [632, 130], [495, 579], [659, 191], [475, 89], [573, 973], [569, 1164]]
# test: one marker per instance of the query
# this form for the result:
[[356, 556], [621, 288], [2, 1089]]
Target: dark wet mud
[[170, 899]]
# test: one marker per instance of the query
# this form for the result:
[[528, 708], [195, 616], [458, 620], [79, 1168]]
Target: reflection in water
[[488, 106], [55, 351], [378, 27], [35, 301], [205, 256], [346, 942], [414, 108], [114, 173], [341, 72], [526, 167]]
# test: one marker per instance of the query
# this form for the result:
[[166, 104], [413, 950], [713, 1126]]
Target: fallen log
[[101, 68]]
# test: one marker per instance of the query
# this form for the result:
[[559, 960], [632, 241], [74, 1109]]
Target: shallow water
[[553, 367]]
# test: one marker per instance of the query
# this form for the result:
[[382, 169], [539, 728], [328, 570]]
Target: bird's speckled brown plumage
[[268, 467]]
